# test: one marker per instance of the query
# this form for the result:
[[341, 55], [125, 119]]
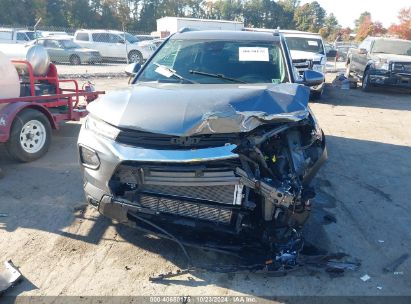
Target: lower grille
[[187, 209]]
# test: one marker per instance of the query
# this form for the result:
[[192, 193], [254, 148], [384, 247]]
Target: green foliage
[[309, 17], [141, 15]]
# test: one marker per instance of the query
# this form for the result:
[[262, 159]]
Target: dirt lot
[[366, 185]]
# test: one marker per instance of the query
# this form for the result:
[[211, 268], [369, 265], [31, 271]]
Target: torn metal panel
[[9, 276], [205, 108]]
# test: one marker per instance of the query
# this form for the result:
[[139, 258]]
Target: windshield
[[392, 47], [312, 45], [217, 61], [68, 44], [130, 38]]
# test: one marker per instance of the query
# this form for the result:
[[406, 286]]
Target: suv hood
[[189, 109], [296, 55], [392, 57]]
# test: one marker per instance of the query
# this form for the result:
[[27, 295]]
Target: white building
[[173, 24]]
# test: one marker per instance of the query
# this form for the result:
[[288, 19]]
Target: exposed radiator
[[189, 209], [219, 194], [216, 185]]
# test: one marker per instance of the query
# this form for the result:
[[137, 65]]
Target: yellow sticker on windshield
[[253, 54]]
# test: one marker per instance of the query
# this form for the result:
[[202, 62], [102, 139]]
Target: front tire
[[135, 56], [317, 95], [348, 70], [30, 136], [366, 85], [75, 60]]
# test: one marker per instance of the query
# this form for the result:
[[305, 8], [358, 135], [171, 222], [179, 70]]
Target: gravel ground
[[65, 248]]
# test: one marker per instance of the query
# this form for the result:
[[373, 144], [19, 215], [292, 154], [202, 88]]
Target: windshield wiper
[[221, 76], [172, 72]]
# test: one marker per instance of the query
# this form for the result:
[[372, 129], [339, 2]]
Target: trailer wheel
[[30, 136]]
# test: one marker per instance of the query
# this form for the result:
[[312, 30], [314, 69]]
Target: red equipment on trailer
[[26, 122]]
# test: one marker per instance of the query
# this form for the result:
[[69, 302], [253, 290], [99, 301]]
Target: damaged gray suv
[[212, 143]]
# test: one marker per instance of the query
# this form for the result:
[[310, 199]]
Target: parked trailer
[[26, 122], [171, 25]]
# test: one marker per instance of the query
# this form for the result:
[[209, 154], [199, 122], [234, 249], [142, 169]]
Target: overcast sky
[[347, 11]]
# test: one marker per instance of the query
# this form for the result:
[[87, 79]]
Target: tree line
[[141, 15]]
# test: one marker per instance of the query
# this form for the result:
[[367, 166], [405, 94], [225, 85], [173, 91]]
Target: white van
[[8, 35], [307, 52], [113, 45]]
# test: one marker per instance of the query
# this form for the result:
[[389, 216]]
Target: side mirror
[[363, 51], [312, 78], [132, 69], [122, 41]]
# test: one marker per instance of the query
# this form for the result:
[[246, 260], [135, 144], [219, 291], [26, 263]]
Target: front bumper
[[112, 154], [390, 79]]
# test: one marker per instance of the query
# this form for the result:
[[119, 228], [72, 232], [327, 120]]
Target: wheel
[[75, 60], [348, 70], [366, 86], [30, 136], [135, 56], [316, 95]]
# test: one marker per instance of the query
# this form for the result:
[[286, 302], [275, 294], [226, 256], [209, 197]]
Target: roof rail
[[277, 31]]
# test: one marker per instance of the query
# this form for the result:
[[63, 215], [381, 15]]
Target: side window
[[51, 44], [366, 44], [100, 37], [115, 38], [22, 37], [82, 37]]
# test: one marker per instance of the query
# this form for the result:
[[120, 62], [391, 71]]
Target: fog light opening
[[89, 158]]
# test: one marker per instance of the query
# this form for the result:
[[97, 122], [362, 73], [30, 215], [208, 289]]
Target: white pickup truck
[[9, 35]]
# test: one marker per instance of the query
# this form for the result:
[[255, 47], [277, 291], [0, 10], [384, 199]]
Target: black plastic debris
[[9, 276]]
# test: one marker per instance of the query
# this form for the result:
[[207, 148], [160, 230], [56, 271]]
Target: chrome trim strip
[[126, 153]]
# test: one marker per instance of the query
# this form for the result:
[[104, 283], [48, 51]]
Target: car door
[[359, 57], [101, 43], [55, 50], [118, 46]]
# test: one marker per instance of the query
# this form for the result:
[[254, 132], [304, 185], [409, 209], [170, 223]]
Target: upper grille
[[162, 142], [302, 64], [402, 67]]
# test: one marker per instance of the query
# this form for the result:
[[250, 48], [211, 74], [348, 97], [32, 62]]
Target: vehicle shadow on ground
[[47, 203], [382, 98]]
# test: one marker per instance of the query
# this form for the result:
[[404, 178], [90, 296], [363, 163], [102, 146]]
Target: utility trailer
[[26, 122]]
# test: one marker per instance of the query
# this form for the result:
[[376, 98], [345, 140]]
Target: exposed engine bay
[[261, 196]]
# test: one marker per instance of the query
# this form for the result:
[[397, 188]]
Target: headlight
[[381, 65], [101, 128]]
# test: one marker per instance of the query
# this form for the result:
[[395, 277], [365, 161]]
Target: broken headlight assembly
[[101, 128]]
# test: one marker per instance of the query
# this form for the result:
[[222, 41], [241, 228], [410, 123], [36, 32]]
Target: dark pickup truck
[[381, 62]]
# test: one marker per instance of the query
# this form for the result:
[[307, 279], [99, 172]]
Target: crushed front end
[[247, 186]]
